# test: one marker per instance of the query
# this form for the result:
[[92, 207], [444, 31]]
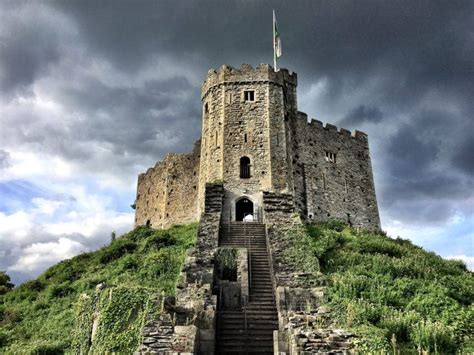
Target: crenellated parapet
[[167, 193], [356, 134], [263, 73], [254, 139]]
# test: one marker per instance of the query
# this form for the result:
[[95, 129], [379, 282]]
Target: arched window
[[244, 167]]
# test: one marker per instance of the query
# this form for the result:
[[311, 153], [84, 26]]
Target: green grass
[[391, 293], [394, 294], [44, 316]]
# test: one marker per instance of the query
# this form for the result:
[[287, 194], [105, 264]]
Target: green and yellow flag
[[276, 43]]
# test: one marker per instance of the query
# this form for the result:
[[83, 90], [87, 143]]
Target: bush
[[158, 241], [10, 316], [34, 285], [3, 339], [5, 284], [139, 233], [116, 250], [399, 324], [62, 290], [225, 264], [66, 270], [433, 337], [45, 348]]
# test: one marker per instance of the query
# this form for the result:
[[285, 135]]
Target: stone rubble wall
[[325, 190], [167, 194], [304, 324], [188, 326], [163, 336]]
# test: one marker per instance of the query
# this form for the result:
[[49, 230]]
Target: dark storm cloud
[[362, 114], [463, 157], [401, 70], [29, 45]]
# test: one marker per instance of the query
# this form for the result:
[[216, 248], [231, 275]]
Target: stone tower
[[254, 140], [244, 142]]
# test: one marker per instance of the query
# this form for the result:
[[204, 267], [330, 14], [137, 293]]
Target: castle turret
[[244, 138], [254, 140]]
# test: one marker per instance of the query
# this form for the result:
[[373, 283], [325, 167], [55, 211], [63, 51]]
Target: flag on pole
[[276, 43]]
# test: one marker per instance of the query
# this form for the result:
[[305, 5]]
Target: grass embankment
[[394, 295], [53, 314]]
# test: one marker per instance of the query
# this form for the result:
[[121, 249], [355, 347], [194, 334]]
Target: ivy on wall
[[120, 313]]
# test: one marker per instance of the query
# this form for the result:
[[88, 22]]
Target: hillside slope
[[44, 315], [394, 295]]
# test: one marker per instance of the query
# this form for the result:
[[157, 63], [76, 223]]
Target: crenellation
[[251, 126], [330, 127], [246, 74], [345, 132]]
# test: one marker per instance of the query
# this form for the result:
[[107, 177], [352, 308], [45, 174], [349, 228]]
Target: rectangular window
[[249, 95], [330, 157]]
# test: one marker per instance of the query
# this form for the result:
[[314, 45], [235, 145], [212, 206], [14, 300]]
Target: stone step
[[260, 314]]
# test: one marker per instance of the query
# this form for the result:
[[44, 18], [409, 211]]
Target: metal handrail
[[219, 313], [246, 331]]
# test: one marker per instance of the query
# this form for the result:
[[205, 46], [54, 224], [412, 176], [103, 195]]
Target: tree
[[5, 284], [112, 236]]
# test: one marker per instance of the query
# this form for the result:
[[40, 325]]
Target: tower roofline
[[263, 73]]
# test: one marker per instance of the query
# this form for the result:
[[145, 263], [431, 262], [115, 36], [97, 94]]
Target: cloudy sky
[[94, 92]]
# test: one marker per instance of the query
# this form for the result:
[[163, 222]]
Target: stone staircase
[[250, 330]]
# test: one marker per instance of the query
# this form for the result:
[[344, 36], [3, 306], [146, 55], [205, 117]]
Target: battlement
[[359, 135], [263, 73], [254, 139]]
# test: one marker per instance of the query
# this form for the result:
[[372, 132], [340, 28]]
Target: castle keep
[[255, 141], [260, 161]]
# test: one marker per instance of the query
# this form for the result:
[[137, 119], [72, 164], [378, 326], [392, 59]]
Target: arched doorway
[[243, 207]]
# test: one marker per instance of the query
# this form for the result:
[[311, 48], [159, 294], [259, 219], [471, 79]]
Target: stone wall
[[304, 324], [186, 324], [341, 189], [167, 194], [287, 154], [234, 127]]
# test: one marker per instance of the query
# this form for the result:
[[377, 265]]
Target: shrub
[[66, 270], [399, 324], [5, 284], [62, 290], [433, 337], [45, 348], [116, 250], [3, 339], [139, 233], [158, 241], [225, 261], [10, 316], [128, 262], [34, 285], [379, 246]]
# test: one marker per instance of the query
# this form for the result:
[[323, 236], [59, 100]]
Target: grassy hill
[[45, 316], [394, 295]]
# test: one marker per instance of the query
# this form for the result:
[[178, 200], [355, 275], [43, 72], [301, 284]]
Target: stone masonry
[[250, 114]]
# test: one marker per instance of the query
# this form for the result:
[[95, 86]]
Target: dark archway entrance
[[243, 207]]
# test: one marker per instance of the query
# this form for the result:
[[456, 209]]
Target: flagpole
[[274, 49]]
